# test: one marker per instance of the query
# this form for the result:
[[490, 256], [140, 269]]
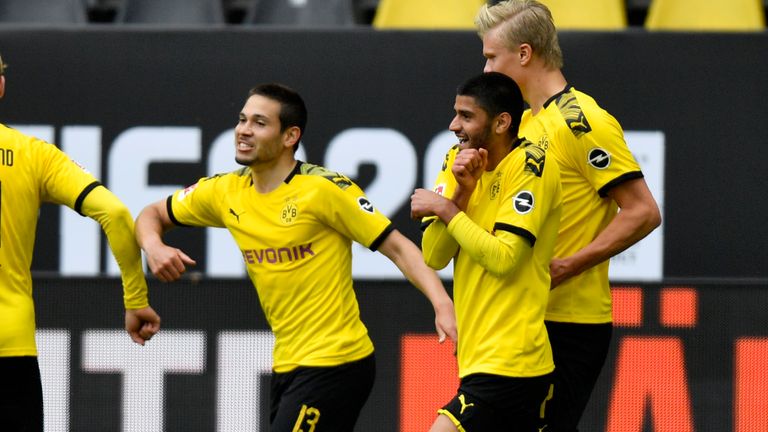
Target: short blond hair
[[524, 21], [2, 66]]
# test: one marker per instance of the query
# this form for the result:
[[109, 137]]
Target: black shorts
[[321, 399], [579, 351], [487, 402], [21, 394]]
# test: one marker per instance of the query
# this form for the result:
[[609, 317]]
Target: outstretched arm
[[407, 257], [166, 263], [638, 216]]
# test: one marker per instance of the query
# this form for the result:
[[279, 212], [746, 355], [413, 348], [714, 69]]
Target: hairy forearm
[[150, 227], [407, 257], [626, 229]]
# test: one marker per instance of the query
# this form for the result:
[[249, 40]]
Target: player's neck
[[542, 86], [268, 176], [498, 151]]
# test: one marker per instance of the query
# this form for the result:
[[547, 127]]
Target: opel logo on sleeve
[[599, 158], [365, 204], [523, 202]]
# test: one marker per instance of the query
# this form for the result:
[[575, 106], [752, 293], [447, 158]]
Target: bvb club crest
[[290, 212], [495, 188]]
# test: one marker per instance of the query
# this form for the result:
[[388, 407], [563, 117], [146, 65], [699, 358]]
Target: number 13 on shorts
[[308, 415]]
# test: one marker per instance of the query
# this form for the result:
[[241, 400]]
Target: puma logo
[[236, 215], [464, 404]]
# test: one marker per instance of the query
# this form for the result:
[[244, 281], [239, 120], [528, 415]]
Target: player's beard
[[481, 139]]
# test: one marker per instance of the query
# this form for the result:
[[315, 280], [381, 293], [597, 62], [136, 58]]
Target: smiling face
[[258, 138], [471, 123]]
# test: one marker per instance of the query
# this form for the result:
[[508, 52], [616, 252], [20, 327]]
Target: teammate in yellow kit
[[33, 172], [599, 176], [495, 213], [294, 223]]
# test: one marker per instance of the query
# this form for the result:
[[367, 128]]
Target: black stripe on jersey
[[296, 170], [80, 198], [380, 239], [516, 230], [169, 207], [555, 96], [619, 180]]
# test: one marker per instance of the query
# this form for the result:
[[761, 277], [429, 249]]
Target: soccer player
[[495, 212], [33, 172], [294, 223], [599, 177]]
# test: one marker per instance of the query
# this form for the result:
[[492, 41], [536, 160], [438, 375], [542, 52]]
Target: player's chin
[[245, 160]]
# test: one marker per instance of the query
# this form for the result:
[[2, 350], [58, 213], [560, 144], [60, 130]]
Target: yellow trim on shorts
[[453, 419]]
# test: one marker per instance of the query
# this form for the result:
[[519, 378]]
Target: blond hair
[[523, 21], [2, 66]]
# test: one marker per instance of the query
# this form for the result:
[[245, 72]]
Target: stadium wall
[[150, 111]]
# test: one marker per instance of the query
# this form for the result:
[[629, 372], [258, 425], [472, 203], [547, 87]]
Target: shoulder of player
[[11, 137], [321, 176], [27, 147], [237, 179], [529, 158], [579, 113]]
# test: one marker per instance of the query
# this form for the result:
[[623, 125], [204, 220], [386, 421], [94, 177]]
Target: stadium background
[[690, 351]]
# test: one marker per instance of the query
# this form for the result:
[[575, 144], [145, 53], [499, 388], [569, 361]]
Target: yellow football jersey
[[500, 318], [33, 172], [588, 145], [296, 244]]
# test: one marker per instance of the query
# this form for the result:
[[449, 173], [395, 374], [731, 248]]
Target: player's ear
[[291, 136], [502, 123], [525, 53]]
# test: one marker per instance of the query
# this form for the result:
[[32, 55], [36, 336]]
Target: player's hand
[[427, 203], [445, 323], [168, 263], [142, 324], [423, 203], [559, 271], [468, 167]]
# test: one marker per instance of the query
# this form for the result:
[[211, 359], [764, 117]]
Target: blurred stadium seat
[[43, 11], [306, 13], [588, 14], [170, 12], [706, 15], [426, 14]]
